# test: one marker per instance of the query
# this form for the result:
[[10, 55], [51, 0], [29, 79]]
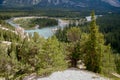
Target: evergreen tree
[[73, 34], [98, 56], [36, 37], [75, 55], [51, 56], [117, 62], [93, 48]]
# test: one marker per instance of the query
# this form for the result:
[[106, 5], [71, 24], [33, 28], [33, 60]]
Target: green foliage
[[117, 62], [109, 25], [4, 17], [31, 23], [44, 12], [9, 64], [98, 56], [33, 55], [61, 34], [52, 56], [6, 35], [6, 25], [108, 64], [74, 53], [93, 56], [73, 34], [36, 37], [43, 56], [3, 22]]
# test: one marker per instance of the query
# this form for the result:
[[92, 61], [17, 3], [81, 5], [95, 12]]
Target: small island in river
[[36, 23]]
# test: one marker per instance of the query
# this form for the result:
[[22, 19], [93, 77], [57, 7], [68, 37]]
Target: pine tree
[[75, 55], [51, 56], [93, 48], [73, 34], [36, 37], [117, 62], [98, 55]]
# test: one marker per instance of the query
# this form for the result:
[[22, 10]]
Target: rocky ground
[[74, 74]]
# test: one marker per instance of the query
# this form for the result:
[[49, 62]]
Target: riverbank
[[44, 32]]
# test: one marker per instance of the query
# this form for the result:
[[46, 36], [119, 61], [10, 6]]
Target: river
[[47, 31], [44, 32]]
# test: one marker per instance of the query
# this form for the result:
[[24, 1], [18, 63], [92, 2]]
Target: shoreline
[[44, 32]]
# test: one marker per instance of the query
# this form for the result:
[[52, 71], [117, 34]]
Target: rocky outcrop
[[73, 74]]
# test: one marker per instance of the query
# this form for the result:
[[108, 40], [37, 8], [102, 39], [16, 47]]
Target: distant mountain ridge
[[89, 4], [115, 3]]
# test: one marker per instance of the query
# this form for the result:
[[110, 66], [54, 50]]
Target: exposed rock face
[[20, 31]]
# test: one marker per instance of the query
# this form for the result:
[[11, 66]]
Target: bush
[[52, 57], [117, 62]]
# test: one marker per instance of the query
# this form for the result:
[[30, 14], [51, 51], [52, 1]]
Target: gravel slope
[[73, 74]]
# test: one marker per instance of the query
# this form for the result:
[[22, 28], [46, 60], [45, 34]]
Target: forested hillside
[[34, 54], [110, 26]]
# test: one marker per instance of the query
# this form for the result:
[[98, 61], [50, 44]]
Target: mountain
[[115, 3], [76, 4]]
